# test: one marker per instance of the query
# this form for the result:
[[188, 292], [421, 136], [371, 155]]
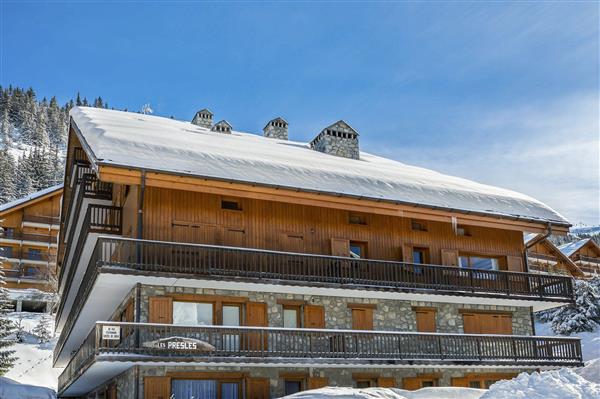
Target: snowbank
[[555, 384], [10, 389], [590, 341], [591, 371], [389, 393]]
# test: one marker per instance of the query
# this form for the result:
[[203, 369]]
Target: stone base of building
[[162, 382]]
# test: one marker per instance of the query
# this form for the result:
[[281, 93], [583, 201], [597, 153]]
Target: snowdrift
[[10, 389], [555, 384], [388, 393], [591, 371]]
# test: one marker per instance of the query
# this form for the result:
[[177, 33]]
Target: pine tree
[[7, 355], [42, 330], [7, 176], [78, 100], [583, 315], [23, 183]]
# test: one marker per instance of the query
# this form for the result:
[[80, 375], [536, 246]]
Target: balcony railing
[[28, 255], [51, 220], [320, 270], [161, 342], [20, 236], [26, 273], [535, 255], [587, 259]]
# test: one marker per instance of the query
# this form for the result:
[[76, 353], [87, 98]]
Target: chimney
[[203, 118], [276, 129], [222, 127], [339, 139]]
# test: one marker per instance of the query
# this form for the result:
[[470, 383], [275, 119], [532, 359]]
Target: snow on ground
[[10, 389], [34, 365], [591, 371], [555, 384], [590, 341], [388, 393]]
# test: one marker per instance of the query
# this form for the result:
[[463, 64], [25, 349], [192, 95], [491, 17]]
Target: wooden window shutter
[[407, 255], [317, 382], [160, 310], [256, 316], [362, 319], [504, 324], [471, 324], [449, 257], [514, 263], [426, 320], [157, 387], [340, 247], [314, 316], [411, 383], [386, 382], [257, 388], [460, 382]]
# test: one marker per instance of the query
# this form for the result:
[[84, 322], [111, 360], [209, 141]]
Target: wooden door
[[256, 316], [514, 263], [411, 383], [362, 319], [257, 388], [160, 310], [314, 316], [487, 323], [157, 387], [317, 382], [460, 382], [426, 320]]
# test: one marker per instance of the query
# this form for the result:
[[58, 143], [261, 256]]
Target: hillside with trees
[[33, 139]]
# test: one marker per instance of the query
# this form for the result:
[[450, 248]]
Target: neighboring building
[[205, 262], [545, 257], [28, 244], [585, 253]]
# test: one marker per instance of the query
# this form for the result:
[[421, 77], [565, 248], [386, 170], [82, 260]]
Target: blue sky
[[504, 93]]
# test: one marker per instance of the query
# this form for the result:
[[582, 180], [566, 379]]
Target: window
[[418, 225], [6, 252], [478, 262], [428, 383], [474, 384], [462, 231], [193, 313], [291, 317], [231, 205], [420, 255], [34, 254], [9, 232], [365, 383], [292, 386], [357, 218], [209, 389], [358, 250]]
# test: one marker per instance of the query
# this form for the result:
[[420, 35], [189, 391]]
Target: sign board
[[111, 333], [180, 344]]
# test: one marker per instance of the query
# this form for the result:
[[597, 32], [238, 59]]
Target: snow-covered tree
[[42, 330], [583, 315], [146, 109], [7, 355], [7, 176]]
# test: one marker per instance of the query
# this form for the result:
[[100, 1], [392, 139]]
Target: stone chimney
[[222, 127], [276, 129], [203, 118], [339, 139]]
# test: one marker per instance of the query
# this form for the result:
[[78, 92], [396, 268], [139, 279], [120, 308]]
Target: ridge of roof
[[33, 196]]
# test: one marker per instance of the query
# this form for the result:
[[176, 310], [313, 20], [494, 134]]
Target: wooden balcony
[[42, 220], [314, 347], [42, 239]]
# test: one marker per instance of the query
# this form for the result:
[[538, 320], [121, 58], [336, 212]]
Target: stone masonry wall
[[390, 315]]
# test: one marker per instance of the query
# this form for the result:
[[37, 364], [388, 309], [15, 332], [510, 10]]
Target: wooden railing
[[98, 219], [307, 269], [28, 255], [41, 238], [51, 220], [315, 347]]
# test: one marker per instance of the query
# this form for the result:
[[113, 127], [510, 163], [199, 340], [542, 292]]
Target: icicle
[[455, 225]]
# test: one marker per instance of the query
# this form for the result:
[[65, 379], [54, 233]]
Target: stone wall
[[389, 315]]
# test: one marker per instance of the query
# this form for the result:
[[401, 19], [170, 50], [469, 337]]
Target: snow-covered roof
[[572, 247], [161, 144], [30, 197]]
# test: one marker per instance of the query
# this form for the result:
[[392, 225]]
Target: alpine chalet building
[[199, 261]]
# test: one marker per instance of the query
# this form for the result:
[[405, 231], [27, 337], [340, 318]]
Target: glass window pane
[[474, 384], [231, 315], [483, 263], [290, 318], [229, 390], [363, 384], [418, 257], [292, 387], [191, 313], [463, 261], [427, 383], [356, 250], [197, 389]]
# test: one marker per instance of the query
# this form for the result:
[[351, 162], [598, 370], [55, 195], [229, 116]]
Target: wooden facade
[[545, 257], [29, 241]]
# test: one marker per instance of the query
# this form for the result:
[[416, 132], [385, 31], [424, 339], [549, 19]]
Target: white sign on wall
[[111, 332]]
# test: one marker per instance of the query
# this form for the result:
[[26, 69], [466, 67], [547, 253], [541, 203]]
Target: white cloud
[[549, 150]]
